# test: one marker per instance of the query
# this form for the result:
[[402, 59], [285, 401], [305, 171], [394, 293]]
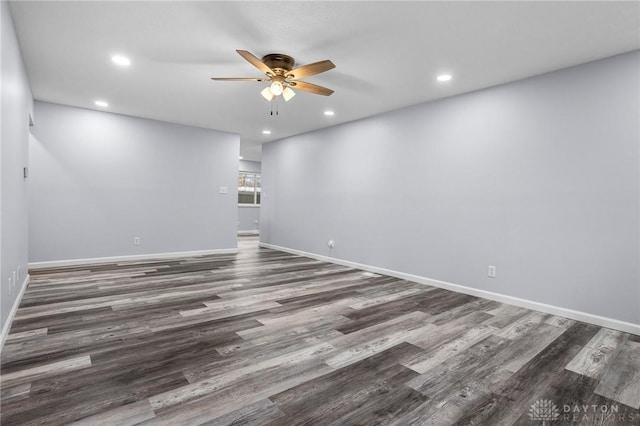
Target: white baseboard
[[77, 262], [250, 232], [12, 314], [510, 300]]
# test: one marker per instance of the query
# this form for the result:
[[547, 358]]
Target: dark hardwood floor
[[265, 337]]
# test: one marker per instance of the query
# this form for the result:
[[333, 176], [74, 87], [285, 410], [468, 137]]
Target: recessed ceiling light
[[266, 132], [240, 157], [101, 104], [328, 113], [123, 61], [444, 77]]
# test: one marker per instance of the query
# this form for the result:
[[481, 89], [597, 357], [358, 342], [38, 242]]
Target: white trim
[[74, 262], [511, 300], [14, 309], [249, 232], [253, 206]]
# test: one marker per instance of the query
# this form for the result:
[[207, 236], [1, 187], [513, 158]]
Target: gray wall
[[248, 219], [539, 177], [17, 105], [249, 166], [249, 216], [99, 179]]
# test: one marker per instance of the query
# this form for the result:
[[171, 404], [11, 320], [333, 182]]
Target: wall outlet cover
[[491, 271]]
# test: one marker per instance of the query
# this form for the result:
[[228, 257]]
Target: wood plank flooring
[[269, 338]]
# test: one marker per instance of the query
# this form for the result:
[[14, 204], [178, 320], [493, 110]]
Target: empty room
[[341, 212]]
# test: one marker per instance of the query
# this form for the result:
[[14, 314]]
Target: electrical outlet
[[331, 244], [136, 241], [491, 271]]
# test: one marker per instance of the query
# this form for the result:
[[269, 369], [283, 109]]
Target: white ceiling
[[387, 54]]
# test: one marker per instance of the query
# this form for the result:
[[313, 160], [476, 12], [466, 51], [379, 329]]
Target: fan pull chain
[[276, 103]]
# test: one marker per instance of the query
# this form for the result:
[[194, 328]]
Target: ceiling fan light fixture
[[276, 88], [266, 93], [282, 76], [288, 93]]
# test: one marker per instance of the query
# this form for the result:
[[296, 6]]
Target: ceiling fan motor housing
[[279, 62]]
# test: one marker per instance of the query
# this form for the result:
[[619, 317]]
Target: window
[[248, 188]]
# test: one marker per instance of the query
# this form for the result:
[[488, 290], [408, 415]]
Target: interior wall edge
[[598, 320], [16, 112], [16, 303], [111, 259]]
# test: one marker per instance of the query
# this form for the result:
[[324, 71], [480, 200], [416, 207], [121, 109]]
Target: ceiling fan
[[279, 71]]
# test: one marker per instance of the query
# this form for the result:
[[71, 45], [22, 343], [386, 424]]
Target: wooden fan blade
[[312, 88], [310, 69], [238, 79], [253, 60]]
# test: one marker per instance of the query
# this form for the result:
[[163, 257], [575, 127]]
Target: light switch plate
[[223, 190]]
